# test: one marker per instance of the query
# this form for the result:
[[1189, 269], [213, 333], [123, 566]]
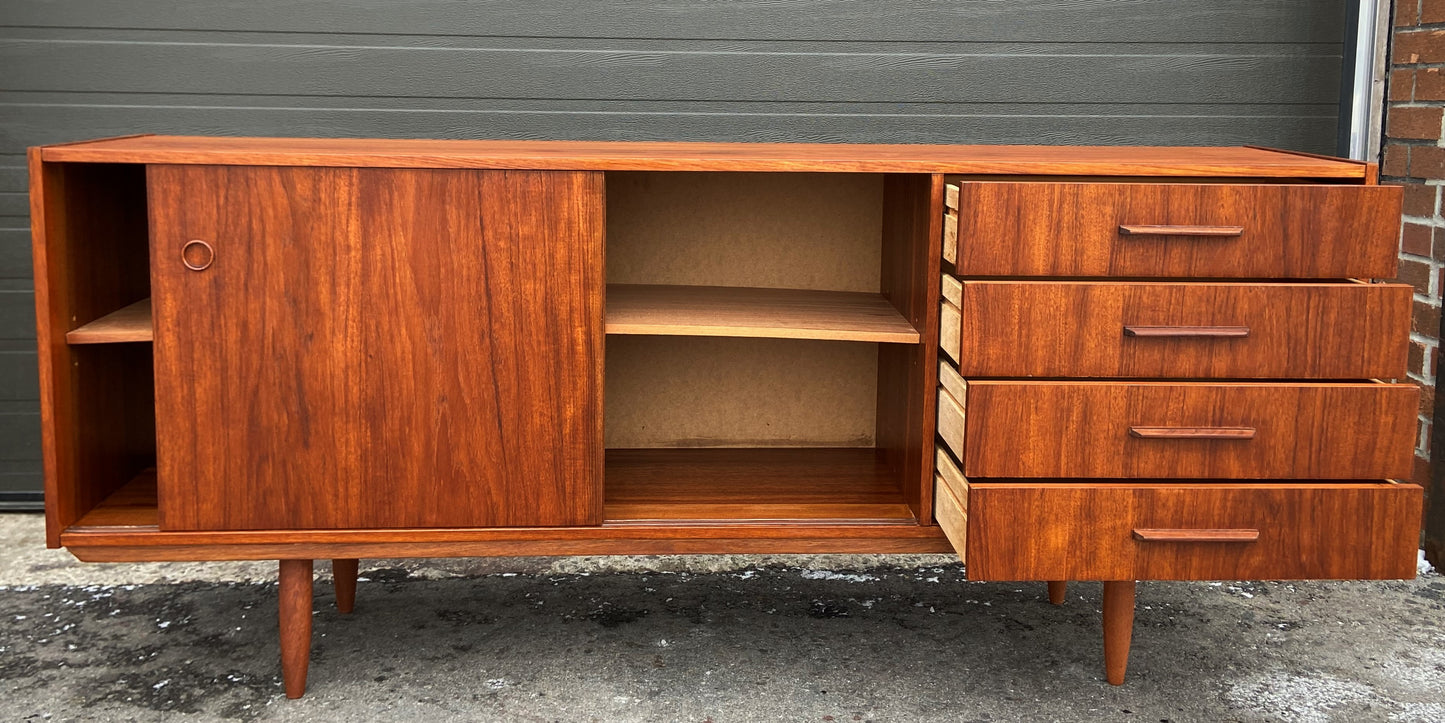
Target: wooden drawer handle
[[1165, 230], [1155, 535], [1181, 332], [1192, 432]]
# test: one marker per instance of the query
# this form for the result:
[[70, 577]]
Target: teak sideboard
[[1064, 363]]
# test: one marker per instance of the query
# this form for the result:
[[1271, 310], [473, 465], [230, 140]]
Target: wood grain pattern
[[655, 498], [88, 229], [951, 513], [1295, 331], [745, 485], [1236, 433], [132, 506], [950, 323], [440, 373], [821, 540], [1118, 628], [1204, 535], [343, 579], [1081, 429], [907, 375], [946, 469], [747, 312], [950, 237], [1057, 590], [952, 423], [950, 380], [952, 289], [1056, 530], [294, 608], [1179, 230], [129, 324], [1072, 229], [1185, 332], [1219, 162]]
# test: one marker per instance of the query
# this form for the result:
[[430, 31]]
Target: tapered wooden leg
[[1057, 588], [1118, 628], [295, 625], [343, 578]]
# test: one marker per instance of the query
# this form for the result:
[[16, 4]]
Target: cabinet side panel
[[907, 374], [88, 229]]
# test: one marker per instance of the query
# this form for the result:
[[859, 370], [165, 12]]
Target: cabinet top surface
[[1238, 161]]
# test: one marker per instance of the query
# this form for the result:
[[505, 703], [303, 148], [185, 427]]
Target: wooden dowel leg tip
[[1057, 589], [295, 623], [1118, 628], [343, 576]]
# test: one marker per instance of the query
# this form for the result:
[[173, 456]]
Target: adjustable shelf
[[760, 313], [130, 324], [664, 311]]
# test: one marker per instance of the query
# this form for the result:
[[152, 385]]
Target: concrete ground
[[735, 638]]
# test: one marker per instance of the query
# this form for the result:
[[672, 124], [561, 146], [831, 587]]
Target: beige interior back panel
[[771, 230], [682, 391]]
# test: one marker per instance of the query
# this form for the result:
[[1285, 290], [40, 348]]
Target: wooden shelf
[[664, 311], [748, 312], [661, 486], [132, 507], [665, 487], [133, 323]]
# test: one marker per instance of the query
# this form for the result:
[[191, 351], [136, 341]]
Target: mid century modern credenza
[[1086, 363]]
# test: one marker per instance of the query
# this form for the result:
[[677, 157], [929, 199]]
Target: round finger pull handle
[[197, 255]]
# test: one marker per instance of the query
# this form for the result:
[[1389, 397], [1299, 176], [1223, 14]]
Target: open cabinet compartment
[[92, 248], [769, 381]]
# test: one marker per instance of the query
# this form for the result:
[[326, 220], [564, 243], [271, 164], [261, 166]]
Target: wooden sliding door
[[352, 348]]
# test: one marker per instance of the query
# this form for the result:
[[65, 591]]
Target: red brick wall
[[1414, 156]]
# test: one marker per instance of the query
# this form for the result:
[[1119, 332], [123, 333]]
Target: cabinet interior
[[748, 422], [747, 341], [110, 391]]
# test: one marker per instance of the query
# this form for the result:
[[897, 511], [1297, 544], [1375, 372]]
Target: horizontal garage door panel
[[1267, 21], [1155, 75]]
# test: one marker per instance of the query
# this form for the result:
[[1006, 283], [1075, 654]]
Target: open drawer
[[1054, 530]]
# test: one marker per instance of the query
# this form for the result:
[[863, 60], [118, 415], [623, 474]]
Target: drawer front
[[1219, 330], [1189, 430], [1203, 531], [1177, 229]]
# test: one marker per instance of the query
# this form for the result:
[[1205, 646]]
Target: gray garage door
[[1192, 72]]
